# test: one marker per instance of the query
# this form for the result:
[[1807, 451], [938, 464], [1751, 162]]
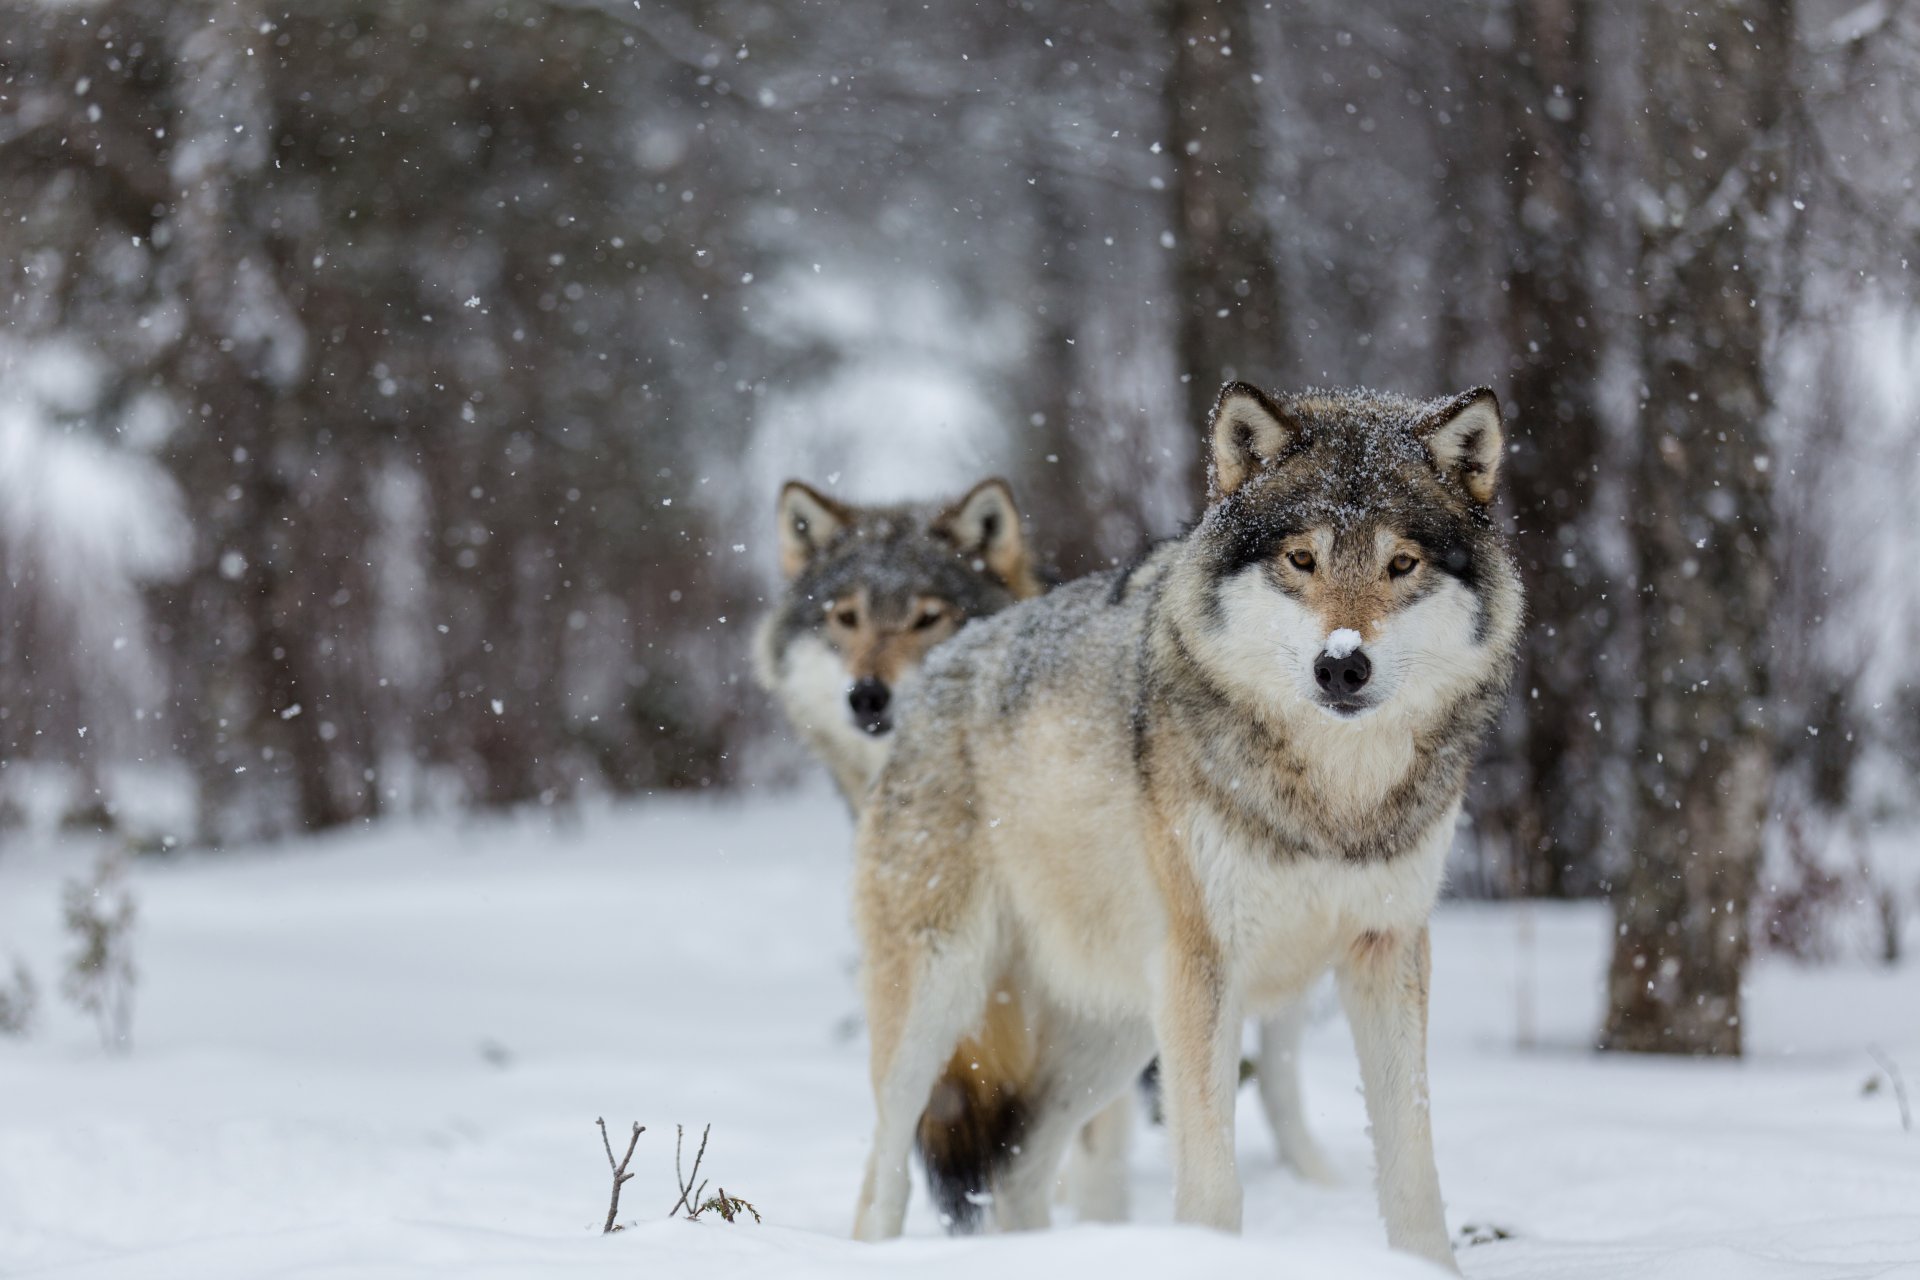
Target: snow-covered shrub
[[18, 1001], [100, 912]]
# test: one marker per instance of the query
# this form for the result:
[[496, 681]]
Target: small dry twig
[[1899, 1084], [620, 1174], [689, 1194]]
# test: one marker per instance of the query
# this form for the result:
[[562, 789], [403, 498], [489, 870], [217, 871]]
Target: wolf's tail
[[976, 1113]]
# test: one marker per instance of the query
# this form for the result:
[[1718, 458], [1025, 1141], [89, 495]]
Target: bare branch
[[620, 1174], [689, 1194]]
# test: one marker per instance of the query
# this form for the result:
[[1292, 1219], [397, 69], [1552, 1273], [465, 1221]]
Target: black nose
[[1342, 676], [868, 699]]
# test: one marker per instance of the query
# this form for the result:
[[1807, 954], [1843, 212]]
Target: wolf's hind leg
[[1383, 982], [1083, 1066], [1277, 1072], [920, 1002], [1097, 1170]]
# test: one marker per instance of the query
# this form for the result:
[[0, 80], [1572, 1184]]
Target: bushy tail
[[975, 1115]]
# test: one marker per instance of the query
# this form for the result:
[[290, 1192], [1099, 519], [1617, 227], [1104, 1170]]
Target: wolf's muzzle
[[869, 700], [1342, 678]]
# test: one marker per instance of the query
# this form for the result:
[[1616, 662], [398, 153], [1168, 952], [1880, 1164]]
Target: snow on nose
[[1342, 642]]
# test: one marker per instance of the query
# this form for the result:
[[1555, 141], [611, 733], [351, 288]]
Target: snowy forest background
[[393, 394]]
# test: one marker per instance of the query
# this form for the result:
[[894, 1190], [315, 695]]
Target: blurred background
[[393, 394]]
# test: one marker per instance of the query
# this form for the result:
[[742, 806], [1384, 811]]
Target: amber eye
[[928, 617], [1301, 560], [1401, 565]]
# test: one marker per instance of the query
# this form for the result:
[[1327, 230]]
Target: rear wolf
[[871, 590], [1165, 797]]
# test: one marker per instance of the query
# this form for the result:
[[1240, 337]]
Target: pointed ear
[[985, 525], [1465, 441], [1249, 431], [808, 521]]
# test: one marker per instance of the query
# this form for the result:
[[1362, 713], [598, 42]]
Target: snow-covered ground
[[382, 1055]]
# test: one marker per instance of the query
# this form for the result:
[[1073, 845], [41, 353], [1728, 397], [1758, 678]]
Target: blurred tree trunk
[[1463, 153], [1715, 79], [1065, 531], [294, 723], [1553, 811], [1226, 277]]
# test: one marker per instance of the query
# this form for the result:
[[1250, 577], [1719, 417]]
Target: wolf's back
[[1078, 643]]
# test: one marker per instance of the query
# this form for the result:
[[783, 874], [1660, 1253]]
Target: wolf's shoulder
[[1084, 631]]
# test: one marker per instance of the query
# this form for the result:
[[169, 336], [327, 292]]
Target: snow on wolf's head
[[1353, 565], [872, 589]]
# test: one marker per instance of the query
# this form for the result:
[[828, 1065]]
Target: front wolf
[[870, 591], [1164, 798]]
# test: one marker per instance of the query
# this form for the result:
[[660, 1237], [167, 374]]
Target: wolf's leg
[[1197, 1024], [920, 1001], [1278, 1074], [1383, 982], [1097, 1164], [1084, 1065]]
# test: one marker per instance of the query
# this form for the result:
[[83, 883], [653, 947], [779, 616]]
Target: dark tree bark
[[1066, 534], [1715, 77], [1553, 814], [1226, 275]]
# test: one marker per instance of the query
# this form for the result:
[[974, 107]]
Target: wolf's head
[[873, 589], [1352, 560]]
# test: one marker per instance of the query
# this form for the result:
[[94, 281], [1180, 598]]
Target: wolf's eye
[[1401, 565], [847, 617], [1301, 560], [928, 617]]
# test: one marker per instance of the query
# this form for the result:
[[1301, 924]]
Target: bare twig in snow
[[1899, 1084], [620, 1174], [689, 1194]]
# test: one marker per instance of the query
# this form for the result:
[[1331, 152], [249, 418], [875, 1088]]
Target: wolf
[[1167, 796], [870, 591]]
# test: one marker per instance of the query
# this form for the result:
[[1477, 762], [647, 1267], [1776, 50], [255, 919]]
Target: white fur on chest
[[1283, 921]]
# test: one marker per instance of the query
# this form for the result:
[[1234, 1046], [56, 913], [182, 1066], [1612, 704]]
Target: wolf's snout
[[1343, 676], [869, 700]]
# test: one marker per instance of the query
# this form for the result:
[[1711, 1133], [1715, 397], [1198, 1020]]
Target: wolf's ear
[[808, 521], [1464, 440], [1249, 431], [985, 525]]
